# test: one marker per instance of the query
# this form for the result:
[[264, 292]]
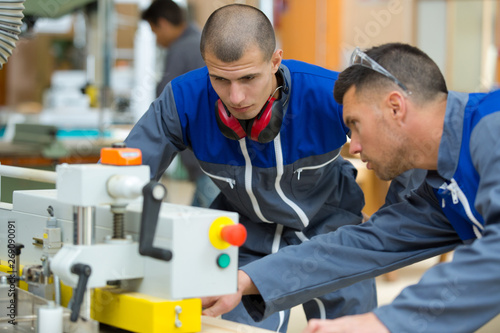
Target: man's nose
[[236, 94], [354, 146]]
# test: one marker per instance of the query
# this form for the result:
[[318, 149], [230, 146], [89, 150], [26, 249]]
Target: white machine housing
[[193, 270]]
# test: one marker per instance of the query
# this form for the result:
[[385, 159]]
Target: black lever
[[153, 194], [17, 264], [83, 271]]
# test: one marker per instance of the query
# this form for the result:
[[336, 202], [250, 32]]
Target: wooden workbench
[[217, 325], [208, 325]]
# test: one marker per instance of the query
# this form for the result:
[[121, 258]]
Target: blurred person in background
[[181, 39]]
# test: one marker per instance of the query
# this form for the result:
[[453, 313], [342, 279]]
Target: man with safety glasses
[[402, 116]]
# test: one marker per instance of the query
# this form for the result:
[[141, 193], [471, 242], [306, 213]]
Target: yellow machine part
[[6, 269], [137, 312], [142, 313]]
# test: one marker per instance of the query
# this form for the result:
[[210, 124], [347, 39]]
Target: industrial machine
[[11, 15], [104, 245]]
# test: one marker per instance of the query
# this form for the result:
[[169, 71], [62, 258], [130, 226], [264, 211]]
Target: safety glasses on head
[[358, 57]]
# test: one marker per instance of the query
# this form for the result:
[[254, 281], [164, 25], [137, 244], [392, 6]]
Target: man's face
[[163, 32], [244, 85], [375, 136]]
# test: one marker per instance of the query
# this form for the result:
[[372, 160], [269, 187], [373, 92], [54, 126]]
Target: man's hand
[[364, 323], [218, 305]]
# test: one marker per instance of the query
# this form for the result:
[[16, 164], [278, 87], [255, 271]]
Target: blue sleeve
[[158, 134], [464, 294], [332, 261]]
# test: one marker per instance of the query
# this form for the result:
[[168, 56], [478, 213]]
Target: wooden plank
[[217, 325]]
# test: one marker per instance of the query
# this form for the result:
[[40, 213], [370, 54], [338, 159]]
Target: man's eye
[[248, 78]]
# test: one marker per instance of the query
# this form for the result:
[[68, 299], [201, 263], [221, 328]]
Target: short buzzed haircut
[[166, 9], [231, 29], [415, 69]]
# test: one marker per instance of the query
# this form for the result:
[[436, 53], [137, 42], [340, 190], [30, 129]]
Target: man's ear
[[396, 103], [276, 60]]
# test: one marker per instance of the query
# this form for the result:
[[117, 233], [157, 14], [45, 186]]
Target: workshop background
[[84, 71]]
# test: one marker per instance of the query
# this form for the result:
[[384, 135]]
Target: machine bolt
[[178, 310]]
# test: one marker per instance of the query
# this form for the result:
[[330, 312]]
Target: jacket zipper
[[298, 171], [248, 180], [280, 170], [456, 196], [230, 181]]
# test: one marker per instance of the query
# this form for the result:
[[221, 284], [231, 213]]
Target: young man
[[401, 116], [269, 133]]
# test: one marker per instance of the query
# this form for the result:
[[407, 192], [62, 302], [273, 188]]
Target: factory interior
[[80, 74]]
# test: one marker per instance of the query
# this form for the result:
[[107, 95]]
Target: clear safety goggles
[[358, 57]]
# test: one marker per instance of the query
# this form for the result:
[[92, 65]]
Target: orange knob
[[235, 234], [121, 156]]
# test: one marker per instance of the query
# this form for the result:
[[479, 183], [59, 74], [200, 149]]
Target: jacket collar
[[451, 140]]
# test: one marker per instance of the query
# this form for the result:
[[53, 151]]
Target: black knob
[[18, 247], [118, 145]]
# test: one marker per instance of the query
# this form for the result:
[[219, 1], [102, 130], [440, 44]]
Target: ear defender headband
[[263, 128]]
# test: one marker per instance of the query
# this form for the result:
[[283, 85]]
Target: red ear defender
[[262, 128], [262, 121], [228, 125]]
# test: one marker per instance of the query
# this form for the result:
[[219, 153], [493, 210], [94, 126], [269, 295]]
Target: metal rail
[[29, 174]]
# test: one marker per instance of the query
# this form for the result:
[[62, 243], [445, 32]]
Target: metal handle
[[83, 271], [153, 194]]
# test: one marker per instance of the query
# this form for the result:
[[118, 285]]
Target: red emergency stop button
[[224, 232], [234, 234]]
